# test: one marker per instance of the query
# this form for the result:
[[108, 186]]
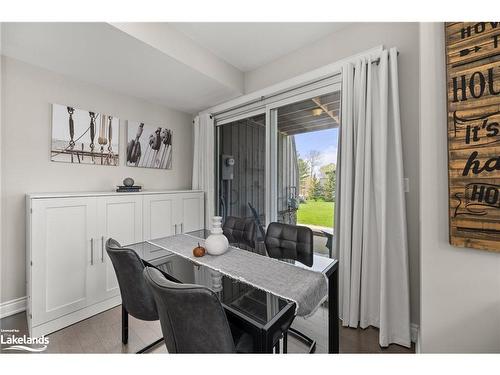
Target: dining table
[[261, 312]]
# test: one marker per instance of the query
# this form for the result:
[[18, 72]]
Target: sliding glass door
[[278, 162]]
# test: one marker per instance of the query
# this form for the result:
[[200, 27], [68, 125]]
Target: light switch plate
[[406, 182]]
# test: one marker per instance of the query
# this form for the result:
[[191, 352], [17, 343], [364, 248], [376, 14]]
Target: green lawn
[[316, 213]]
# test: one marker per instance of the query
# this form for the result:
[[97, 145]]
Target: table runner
[[306, 288]]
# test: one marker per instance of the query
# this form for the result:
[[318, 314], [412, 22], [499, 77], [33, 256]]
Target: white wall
[[460, 288], [344, 43], [27, 94]]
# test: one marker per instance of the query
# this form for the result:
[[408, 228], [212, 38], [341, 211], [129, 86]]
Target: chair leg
[[146, 348], [299, 335], [124, 326], [125, 333], [277, 347], [285, 343]]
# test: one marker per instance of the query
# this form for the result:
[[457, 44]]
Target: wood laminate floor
[[102, 334]]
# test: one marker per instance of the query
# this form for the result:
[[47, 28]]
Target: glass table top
[[255, 304]]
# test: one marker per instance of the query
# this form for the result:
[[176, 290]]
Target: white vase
[[216, 243]]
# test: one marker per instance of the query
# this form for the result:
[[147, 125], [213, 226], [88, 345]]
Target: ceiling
[[185, 66], [100, 54], [248, 45]]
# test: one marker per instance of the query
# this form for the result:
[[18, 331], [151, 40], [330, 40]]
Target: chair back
[[286, 241], [240, 232], [192, 317], [136, 295]]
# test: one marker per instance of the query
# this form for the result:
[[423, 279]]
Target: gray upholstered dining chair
[[137, 299], [193, 319], [240, 232], [291, 242], [286, 241]]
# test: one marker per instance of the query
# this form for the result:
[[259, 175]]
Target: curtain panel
[[203, 162], [371, 213]]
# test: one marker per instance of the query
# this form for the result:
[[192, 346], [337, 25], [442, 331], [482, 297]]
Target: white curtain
[[203, 161], [204, 179], [371, 213]]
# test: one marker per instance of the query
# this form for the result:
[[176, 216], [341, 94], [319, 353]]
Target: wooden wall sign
[[473, 81]]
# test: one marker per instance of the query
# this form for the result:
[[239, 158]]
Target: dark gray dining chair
[[137, 299], [286, 241], [291, 242], [240, 232], [193, 319]]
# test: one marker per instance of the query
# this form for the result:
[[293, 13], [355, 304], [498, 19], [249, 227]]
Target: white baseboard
[[12, 307], [414, 333]]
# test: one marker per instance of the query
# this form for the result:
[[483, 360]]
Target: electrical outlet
[[406, 183]]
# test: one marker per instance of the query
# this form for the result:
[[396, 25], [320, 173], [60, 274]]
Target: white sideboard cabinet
[[69, 274]]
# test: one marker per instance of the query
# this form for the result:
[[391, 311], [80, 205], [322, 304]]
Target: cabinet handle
[[182, 227], [175, 228], [102, 249], [91, 251]]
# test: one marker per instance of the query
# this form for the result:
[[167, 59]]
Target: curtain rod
[[377, 60], [262, 98]]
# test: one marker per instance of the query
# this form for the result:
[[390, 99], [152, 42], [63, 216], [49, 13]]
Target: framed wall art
[[149, 146], [473, 89], [84, 137]]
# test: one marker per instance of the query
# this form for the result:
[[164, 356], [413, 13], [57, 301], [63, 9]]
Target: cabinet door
[[120, 218], [191, 210], [159, 220], [64, 256]]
